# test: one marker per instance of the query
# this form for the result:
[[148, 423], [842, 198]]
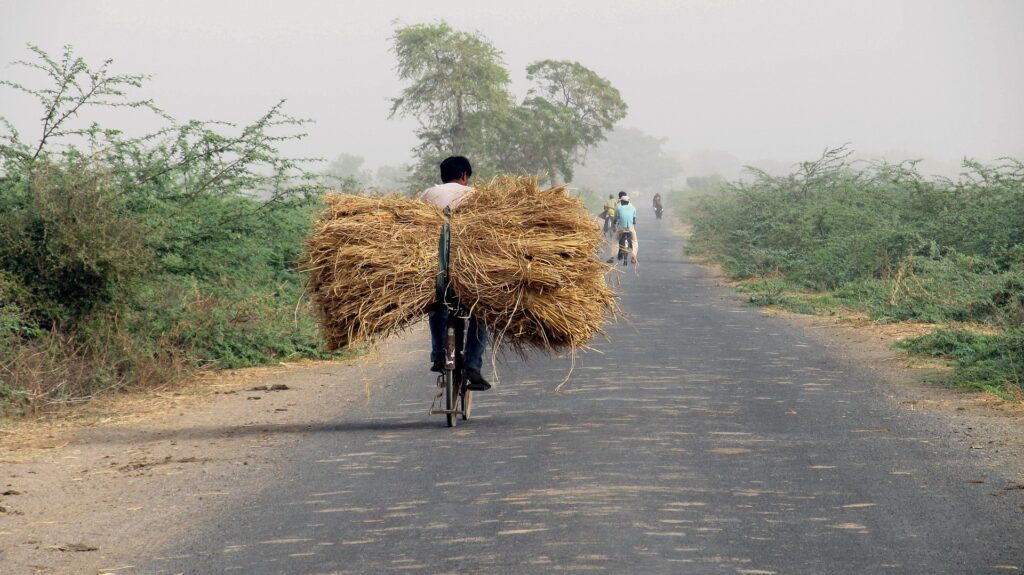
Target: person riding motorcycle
[[657, 206]]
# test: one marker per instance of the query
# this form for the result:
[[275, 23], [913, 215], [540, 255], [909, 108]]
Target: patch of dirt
[[50, 430], [78, 547], [141, 464], [150, 464]]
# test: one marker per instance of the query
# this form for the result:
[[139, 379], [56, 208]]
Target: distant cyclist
[[625, 224], [657, 206], [608, 213]]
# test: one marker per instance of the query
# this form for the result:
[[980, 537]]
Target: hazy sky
[[760, 79]]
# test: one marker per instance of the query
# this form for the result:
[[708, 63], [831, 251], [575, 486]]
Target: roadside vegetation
[[131, 260], [882, 240]]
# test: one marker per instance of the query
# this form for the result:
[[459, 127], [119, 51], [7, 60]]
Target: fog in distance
[[721, 83]]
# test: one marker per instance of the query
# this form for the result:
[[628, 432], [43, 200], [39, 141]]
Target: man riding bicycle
[[608, 213], [625, 224], [455, 173]]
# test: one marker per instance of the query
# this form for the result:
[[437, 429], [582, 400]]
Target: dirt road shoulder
[[85, 493]]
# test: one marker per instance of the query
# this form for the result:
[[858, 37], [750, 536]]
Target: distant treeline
[[880, 238]]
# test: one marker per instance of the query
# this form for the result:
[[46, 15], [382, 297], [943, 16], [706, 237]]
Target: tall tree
[[455, 81], [458, 90], [584, 105], [569, 109]]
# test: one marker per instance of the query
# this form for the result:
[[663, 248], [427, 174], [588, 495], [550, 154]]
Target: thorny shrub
[[881, 238]]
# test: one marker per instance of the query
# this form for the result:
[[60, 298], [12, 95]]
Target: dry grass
[[523, 260], [58, 370], [372, 264]]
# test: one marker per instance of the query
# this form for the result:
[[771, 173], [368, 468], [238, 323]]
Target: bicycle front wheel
[[467, 402], [450, 397]]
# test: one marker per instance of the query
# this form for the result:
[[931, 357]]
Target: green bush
[[993, 363], [832, 223], [768, 292], [958, 344], [881, 239], [951, 288], [129, 261], [69, 241]]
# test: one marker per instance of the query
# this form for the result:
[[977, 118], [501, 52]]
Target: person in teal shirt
[[625, 223]]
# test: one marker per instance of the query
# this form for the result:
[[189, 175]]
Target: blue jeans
[[476, 338]]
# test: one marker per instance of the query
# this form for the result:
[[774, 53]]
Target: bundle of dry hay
[[523, 260]]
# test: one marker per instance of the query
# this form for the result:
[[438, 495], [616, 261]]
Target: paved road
[[706, 438]]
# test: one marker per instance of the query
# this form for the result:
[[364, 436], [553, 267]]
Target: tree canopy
[[458, 90], [456, 82]]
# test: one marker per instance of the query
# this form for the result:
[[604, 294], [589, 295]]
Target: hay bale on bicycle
[[523, 260]]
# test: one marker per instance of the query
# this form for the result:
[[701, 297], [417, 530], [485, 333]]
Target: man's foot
[[437, 366], [609, 261], [476, 380]]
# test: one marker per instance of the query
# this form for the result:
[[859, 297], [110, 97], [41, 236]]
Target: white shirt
[[445, 195]]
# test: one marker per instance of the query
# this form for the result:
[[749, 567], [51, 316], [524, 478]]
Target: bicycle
[[451, 383], [625, 247], [609, 226]]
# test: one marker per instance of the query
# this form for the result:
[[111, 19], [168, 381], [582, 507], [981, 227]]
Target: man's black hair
[[622, 194], [453, 168], [611, 196]]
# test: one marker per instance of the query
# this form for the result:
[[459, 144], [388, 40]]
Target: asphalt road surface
[[704, 438]]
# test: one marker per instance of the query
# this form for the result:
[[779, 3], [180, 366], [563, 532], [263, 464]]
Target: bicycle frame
[[625, 241], [609, 226], [451, 383], [454, 351]]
